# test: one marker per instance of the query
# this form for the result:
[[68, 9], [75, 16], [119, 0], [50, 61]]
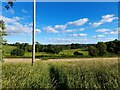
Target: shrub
[[76, 53], [17, 52], [101, 48], [92, 51]]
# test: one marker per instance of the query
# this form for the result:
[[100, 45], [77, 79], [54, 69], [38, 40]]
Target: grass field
[[7, 49], [71, 52], [65, 53], [86, 74]]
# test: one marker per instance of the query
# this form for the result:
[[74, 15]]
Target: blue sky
[[62, 23]]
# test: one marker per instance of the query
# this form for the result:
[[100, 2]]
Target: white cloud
[[103, 30], [78, 35], [14, 27], [68, 30], [50, 29], [105, 19], [62, 27], [79, 22], [99, 36], [7, 20], [68, 40], [24, 11], [108, 31], [30, 24], [38, 31], [113, 32], [16, 18], [82, 29]]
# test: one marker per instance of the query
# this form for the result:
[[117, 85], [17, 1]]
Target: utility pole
[[33, 33]]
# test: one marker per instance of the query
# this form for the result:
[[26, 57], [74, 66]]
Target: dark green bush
[[92, 51], [76, 53], [17, 52]]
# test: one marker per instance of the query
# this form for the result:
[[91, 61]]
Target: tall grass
[[93, 74], [25, 76]]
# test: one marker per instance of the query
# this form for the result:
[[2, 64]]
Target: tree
[[110, 46], [101, 48], [37, 47], [76, 53], [17, 44], [9, 4], [17, 52], [117, 46], [2, 31], [92, 51], [26, 47]]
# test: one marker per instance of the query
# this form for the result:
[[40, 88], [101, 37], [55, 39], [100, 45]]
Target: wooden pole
[[34, 29]]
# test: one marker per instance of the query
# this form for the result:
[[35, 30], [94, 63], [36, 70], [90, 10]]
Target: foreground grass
[[93, 74]]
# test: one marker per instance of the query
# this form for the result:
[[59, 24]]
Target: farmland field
[[94, 73], [66, 53], [7, 49]]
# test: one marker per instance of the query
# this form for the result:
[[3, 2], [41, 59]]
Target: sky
[[62, 22]]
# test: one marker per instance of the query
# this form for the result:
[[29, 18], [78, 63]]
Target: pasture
[[63, 54], [93, 73]]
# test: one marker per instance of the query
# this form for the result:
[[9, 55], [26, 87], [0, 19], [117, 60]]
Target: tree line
[[102, 48], [50, 48], [99, 49]]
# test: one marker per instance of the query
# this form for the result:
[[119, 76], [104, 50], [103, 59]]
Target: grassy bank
[[95, 74]]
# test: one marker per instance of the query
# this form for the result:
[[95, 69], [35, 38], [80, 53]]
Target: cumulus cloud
[[38, 31], [68, 40], [113, 32], [14, 27], [50, 29], [16, 18], [105, 19], [68, 30], [64, 27], [99, 36], [109, 31], [79, 22], [103, 30], [78, 35], [82, 29]]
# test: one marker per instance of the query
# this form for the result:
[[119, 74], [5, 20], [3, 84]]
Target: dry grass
[[28, 60]]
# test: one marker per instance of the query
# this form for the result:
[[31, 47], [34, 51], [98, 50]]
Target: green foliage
[[101, 48], [92, 51], [76, 53], [25, 76], [17, 52], [63, 51], [83, 74], [71, 52], [113, 46], [7, 49], [2, 33]]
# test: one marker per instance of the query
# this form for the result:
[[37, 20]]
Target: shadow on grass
[[58, 79]]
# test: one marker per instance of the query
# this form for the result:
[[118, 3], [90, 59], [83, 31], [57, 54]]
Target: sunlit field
[[88, 74]]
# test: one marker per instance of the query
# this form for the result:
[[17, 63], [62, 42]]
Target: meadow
[[86, 74], [43, 55]]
